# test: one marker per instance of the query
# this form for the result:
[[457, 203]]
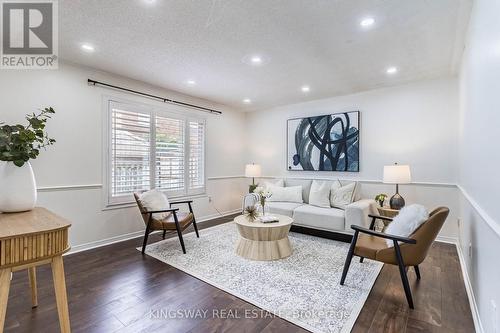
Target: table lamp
[[252, 170], [397, 174]]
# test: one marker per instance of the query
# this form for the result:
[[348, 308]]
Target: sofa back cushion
[[275, 182], [342, 196], [357, 191], [285, 194], [320, 194], [306, 186]]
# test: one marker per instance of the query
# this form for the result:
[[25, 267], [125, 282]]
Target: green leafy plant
[[19, 144], [380, 198]]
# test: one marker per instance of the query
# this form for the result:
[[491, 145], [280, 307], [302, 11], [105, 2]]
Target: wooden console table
[[27, 240]]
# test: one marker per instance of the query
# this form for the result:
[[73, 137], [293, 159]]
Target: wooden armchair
[[175, 221], [404, 253]]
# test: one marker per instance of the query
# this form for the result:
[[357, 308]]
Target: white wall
[[76, 158], [413, 124], [480, 157]]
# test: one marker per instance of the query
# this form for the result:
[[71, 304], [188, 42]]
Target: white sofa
[[328, 219]]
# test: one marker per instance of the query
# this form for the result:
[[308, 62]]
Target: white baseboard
[[470, 292], [136, 234], [447, 239], [216, 215]]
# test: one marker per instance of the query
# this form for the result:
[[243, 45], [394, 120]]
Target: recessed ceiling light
[[367, 22], [191, 82], [305, 89], [87, 47], [392, 70], [255, 59], [247, 101]]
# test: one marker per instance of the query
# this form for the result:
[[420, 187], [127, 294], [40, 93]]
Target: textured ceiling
[[315, 42]]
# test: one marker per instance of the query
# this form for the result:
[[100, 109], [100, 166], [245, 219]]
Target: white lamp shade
[[252, 170], [397, 174]]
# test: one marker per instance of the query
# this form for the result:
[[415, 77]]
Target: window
[[153, 148]]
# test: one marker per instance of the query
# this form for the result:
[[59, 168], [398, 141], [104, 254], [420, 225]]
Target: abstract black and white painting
[[324, 143]]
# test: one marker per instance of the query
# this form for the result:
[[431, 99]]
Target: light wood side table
[[387, 212], [264, 241], [30, 239]]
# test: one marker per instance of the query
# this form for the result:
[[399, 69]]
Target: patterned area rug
[[303, 288]]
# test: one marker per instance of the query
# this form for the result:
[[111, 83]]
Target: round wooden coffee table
[[264, 241]]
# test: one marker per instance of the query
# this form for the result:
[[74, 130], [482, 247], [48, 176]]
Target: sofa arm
[[358, 211]]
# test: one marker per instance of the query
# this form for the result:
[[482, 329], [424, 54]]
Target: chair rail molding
[[99, 186], [482, 213], [367, 181], [69, 187]]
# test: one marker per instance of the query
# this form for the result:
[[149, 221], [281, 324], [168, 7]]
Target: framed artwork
[[324, 143]]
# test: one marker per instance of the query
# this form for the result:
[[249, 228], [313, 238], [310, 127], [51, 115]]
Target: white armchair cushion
[[155, 200], [319, 195], [285, 194], [407, 221], [342, 196]]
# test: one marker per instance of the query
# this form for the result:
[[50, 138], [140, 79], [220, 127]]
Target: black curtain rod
[[163, 99]]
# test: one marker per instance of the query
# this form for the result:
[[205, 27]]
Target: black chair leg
[[417, 271], [196, 228], [146, 235], [164, 232], [349, 257], [361, 259], [179, 233], [404, 277], [194, 220]]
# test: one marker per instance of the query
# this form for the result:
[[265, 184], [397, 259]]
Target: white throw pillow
[[285, 194], [407, 221], [279, 182], [343, 195], [319, 195], [155, 200]]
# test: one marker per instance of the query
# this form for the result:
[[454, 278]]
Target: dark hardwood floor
[[116, 289]]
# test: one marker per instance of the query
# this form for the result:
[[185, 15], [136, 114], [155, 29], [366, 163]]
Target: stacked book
[[268, 219]]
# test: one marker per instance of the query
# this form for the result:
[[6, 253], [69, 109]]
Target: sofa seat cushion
[[283, 208], [319, 217]]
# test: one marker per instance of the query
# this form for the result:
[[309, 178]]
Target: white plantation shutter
[[170, 154], [196, 171], [130, 150], [151, 148]]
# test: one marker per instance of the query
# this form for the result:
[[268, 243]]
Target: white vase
[[17, 187]]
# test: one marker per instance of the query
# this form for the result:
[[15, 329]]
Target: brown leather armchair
[[404, 253], [175, 221]]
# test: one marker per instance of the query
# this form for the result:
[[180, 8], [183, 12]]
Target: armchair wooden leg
[[417, 271], [349, 257], [194, 220], [196, 228], [164, 232], [146, 235], [179, 233], [361, 259], [402, 272]]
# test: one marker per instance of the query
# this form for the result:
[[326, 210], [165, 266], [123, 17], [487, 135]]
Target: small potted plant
[[18, 145], [264, 194], [380, 198]]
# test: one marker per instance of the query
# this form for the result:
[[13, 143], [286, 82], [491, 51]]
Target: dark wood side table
[[30, 239]]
